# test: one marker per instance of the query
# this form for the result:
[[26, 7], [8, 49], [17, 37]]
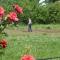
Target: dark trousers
[[29, 28]]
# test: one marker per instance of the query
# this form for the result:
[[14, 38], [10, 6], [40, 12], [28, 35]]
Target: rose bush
[[3, 43], [10, 17], [6, 19]]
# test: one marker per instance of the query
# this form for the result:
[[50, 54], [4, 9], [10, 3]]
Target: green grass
[[41, 44]]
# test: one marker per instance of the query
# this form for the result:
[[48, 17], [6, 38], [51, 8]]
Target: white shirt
[[30, 22]]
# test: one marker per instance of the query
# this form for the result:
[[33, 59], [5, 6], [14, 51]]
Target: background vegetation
[[50, 13]]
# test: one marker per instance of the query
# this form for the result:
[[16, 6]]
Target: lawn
[[43, 42]]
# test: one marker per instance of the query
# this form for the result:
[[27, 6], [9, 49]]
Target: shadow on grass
[[48, 58]]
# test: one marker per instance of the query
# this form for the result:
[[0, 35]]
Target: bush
[[39, 14]]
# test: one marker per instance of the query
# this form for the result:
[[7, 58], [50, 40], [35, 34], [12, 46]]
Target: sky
[[41, 1]]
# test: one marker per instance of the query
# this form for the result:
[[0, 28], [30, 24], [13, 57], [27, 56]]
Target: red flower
[[12, 17], [1, 11], [27, 57], [18, 8], [3, 43]]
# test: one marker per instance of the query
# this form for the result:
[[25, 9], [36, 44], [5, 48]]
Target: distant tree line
[[49, 13]]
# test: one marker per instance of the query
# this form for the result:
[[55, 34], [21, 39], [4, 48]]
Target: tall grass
[[40, 45]]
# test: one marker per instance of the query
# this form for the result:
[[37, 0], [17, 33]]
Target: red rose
[[18, 8], [3, 43], [1, 11], [27, 57], [12, 16]]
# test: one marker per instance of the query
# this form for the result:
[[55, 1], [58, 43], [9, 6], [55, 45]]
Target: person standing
[[29, 25]]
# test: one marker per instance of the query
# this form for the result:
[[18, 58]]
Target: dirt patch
[[16, 31], [47, 30]]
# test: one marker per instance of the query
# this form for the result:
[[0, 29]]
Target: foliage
[[39, 14], [7, 19]]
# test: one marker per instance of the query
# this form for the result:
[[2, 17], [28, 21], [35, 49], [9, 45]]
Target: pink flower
[[12, 17], [18, 8], [1, 11], [27, 57], [3, 43]]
